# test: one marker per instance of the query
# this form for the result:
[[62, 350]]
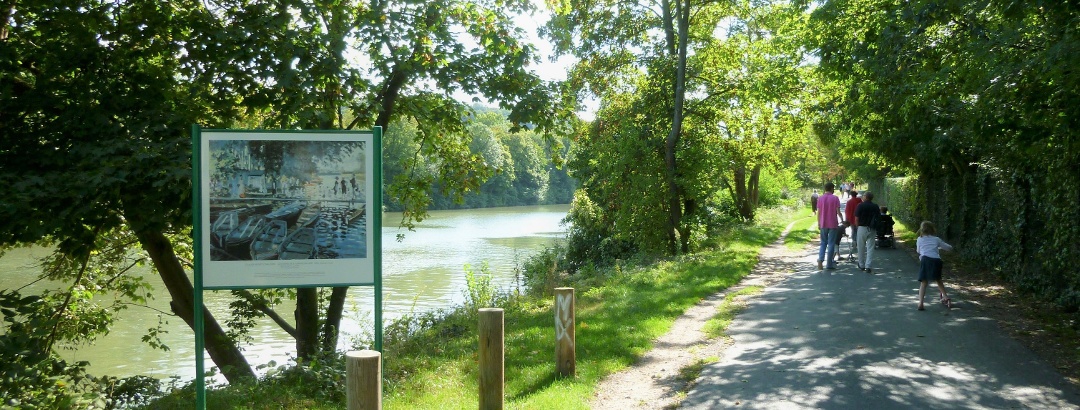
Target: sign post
[[285, 209]]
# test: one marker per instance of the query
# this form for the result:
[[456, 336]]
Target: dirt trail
[[653, 382]]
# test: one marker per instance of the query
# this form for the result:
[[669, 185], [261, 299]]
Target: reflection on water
[[424, 272]]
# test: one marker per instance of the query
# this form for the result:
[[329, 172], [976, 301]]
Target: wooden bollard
[[363, 378], [491, 358], [565, 344]]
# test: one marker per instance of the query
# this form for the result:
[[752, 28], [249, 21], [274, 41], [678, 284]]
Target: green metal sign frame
[[270, 274]]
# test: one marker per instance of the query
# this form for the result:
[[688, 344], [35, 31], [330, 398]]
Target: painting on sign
[[297, 199]]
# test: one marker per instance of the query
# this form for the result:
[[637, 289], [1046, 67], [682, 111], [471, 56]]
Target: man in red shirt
[[829, 218], [849, 215]]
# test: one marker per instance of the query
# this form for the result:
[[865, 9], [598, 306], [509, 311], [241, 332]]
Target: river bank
[[621, 312], [422, 273]]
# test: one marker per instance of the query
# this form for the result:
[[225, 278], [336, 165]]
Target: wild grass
[[726, 312], [805, 231], [430, 361]]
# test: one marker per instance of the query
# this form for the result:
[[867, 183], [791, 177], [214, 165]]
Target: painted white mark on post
[[562, 315]]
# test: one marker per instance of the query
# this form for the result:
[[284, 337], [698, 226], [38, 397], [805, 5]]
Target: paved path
[[845, 339]]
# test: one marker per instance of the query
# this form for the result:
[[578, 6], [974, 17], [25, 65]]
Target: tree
[[487, 134], [619, 161], [723, 81], [756, 75], [618, 41], [93, 116], [98, 97]]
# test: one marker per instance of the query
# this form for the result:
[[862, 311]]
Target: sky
[[547, 69]]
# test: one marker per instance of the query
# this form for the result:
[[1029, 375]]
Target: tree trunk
[[333, 318], [225, 354], [689, 208], [742, 193], [675, 191], [753, 192], [307, 323], [5, 17]]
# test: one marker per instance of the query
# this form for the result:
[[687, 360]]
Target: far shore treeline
[[518, 166]]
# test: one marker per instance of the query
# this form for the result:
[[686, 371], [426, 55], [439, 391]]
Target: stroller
[[885, 236]]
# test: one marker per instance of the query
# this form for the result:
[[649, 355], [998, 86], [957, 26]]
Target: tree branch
[[268, 311], [49, 340], [173, 314]]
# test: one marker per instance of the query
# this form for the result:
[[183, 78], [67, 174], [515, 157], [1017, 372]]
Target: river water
[[422, 273]]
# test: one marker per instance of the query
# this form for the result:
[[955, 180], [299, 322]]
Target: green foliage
[[634, 57], [479, 292], [316, 384], [33, 376], [619, 163], [1013, 241], [977, 102], [98, 97], [512, 169], [100, 285], [757, 86], [653, 161], [541, 272], [902, 197], [590, 238], [776, 186]]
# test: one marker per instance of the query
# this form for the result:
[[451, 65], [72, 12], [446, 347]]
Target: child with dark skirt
[[928, 246]]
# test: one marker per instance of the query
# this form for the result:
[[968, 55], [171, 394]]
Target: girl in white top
[[930, 261]]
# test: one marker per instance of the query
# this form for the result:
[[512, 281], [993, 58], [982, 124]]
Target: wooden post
[[565, 344], [363, 379], [491, 358]]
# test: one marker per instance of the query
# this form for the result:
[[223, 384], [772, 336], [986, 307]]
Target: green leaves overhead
[[97, 97], [935, 81], [91, 108], [453, 47]]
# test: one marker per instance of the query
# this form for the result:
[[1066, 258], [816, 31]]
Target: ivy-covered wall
[[1021, 225]]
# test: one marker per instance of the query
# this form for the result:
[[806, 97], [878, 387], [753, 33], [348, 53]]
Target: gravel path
[[653, 382]]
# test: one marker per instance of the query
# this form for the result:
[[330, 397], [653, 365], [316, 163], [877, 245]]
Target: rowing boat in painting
[[300, 244], [238, 242], [267, 243], [288, 213], [226, 221]]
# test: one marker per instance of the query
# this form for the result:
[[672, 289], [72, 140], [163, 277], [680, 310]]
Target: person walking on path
[[930, 262], [865, 215], [813, 202], [849, 214], [828, 224]]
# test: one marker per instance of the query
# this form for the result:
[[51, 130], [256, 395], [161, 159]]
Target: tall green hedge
[[980, 102], [1020, 224]]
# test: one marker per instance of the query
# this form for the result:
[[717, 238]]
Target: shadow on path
[[845, 339]]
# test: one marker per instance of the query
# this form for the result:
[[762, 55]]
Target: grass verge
[[804, 232], [619, 314]]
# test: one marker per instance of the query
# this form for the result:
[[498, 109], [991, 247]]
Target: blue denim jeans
[[828, 241]]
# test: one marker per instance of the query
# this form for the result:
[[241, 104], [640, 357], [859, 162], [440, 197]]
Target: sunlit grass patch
[[727, 311], [802, 233]]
